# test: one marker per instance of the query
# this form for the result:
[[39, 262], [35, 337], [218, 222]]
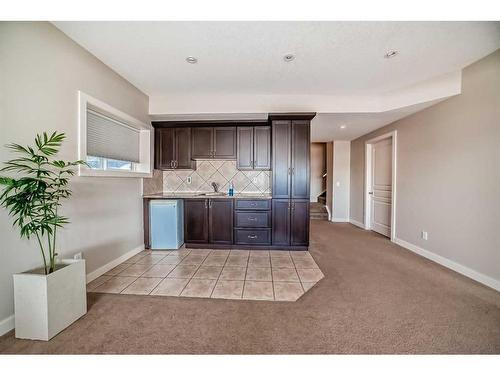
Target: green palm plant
[[33, 196]]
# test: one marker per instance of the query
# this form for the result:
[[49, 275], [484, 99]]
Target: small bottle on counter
[[231, 189]]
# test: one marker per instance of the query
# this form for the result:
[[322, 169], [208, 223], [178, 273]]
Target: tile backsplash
[[221, 172]]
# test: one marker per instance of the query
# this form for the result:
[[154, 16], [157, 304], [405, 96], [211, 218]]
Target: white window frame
[[142, 169]]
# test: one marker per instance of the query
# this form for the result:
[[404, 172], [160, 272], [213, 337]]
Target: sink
[[212, 194]]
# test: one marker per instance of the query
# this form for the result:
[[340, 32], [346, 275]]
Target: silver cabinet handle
[[252, 219], [171, 164], [206, 203], [252, 236], [290, 171], [210, 203]]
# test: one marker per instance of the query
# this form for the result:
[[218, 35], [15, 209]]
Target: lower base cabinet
[[290, 223], [279, 224], [208, 221]]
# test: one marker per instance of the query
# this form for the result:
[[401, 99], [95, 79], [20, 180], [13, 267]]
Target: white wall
[[318, 168], [41, 71], [341, 180]]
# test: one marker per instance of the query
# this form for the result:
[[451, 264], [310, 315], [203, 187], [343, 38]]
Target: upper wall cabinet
[[254, 147], [213, 142], [173, 148], [291, 154]]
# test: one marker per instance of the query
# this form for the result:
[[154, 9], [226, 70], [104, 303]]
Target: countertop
[[197, 195]]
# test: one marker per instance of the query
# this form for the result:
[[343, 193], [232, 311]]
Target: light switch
[[188, 180]]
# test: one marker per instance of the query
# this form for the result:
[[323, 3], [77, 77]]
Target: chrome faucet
[[215, 185]]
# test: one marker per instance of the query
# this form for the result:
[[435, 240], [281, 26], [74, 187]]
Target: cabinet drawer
[[253, 204], [252, 236], [251, 219]]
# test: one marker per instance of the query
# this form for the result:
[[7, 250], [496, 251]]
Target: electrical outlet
[[254, 180], [77, 256], [188, 180], [424, 235]]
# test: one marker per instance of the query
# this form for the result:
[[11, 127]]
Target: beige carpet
[[375, 298]]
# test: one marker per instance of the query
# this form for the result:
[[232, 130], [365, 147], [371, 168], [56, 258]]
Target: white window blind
[[110, 138]]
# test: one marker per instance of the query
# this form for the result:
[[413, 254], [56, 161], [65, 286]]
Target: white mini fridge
[[166, 223]]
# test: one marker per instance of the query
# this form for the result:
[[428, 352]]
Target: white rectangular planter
[[47, 304]]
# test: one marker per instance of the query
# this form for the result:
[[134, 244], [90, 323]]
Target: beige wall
[[448, 173], [318, 168], [40, 72]]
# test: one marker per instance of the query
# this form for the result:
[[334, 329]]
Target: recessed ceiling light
[[343, 126], [390, 54], [191, 60], [288, 57]]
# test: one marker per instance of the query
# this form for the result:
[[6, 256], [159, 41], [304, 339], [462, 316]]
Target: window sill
[[85, 172]]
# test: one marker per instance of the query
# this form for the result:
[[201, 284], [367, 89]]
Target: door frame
[[368, 179]]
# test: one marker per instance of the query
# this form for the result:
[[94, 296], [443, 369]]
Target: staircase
[[318, 211]]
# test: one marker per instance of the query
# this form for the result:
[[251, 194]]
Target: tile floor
[[227, 274]]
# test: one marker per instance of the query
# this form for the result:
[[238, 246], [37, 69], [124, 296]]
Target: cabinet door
[[182, 148], [196, 220], [281, 222], [281, 158], [301, 154], [262, 148], [201, 143], [164, 148], [224, 142], [221, 221], [299, 222], [245, 142]]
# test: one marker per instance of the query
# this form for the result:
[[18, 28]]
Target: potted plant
[[49, 298]]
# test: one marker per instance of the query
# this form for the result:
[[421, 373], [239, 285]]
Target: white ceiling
[[339, 67], [325, 127], [344, 58]]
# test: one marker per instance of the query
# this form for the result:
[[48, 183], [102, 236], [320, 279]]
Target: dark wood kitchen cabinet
[[220, 221], [213, 142], [208, 221], [164, 148], [196, 220], [202, 142], [254, 148], [290, 223], [291, 159], [182, 149], [173, 148]]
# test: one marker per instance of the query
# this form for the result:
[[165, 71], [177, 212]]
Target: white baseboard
[[6, 325], [337, 220], [357, 223], [466, 271], [108, 266]]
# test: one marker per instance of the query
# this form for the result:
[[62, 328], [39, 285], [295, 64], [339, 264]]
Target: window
[[111, 142], [96, 162]]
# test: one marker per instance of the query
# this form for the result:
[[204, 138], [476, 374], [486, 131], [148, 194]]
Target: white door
[[381, 189]]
